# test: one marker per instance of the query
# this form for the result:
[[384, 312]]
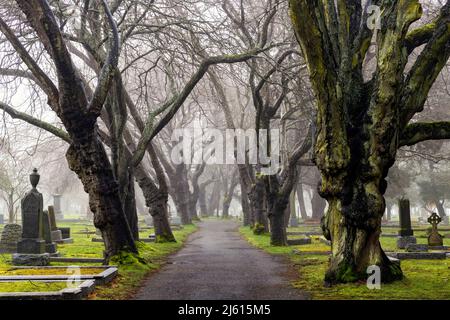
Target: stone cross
[[434, 239]]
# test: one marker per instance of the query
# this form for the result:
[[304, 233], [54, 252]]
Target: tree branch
[[108, 71], [35, 122], [422, 131], [40, 76]]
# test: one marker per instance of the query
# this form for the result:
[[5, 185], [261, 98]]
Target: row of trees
[[114, 79]]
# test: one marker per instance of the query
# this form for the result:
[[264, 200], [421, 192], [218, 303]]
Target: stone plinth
[[21, 259], [402, 242]]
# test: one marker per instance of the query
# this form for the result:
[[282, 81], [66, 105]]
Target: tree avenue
[[361, 122]]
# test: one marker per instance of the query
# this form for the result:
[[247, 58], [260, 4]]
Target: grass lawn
[[423, 279], [129, 276]]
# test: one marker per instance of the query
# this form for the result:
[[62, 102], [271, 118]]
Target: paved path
[[217, 263]]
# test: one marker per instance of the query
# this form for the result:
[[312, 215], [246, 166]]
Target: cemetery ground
[[423, 279], [129, 276]]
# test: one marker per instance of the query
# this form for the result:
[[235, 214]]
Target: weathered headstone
[[148, 221], [2, 219], [31, 248], [55, 232], [57, 205], [434, 239], [11, 234], [293, 222], [406, 234], [175, 221], [50, 246]]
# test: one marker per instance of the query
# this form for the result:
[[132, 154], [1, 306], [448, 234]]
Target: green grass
[[129, 277], [30, 286], [424, 279]]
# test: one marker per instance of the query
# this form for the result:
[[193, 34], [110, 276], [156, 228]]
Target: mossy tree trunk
[[361, 124]]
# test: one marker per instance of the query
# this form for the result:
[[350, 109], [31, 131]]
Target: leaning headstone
[[405, 234], [55, 232], [434, 239], [31, 248], [11, 234], [50, 246], [57, 205], [2, 219]]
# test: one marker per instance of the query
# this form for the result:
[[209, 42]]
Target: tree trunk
[[318, 205], [388, 211], [156, 201], [440, 208], [89, 161], [257, 200], [129, 205], [301, 201], [277, 206], [246, 214], [202, 203], [11, 209], [226, 206]]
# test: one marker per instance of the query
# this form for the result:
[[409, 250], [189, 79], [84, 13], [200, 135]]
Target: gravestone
[[50, 246], [11, 234], [405, 234], [2, 219], [175, 221], [65, 233], [434, 239], [55, 232], [148, 221], [31, 248], [445, 220], [57, 206], [293, 222]]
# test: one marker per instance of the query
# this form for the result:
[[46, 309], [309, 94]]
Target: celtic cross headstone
[[434, 239]]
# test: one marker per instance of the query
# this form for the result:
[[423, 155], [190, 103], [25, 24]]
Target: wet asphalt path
[[216, 263]]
